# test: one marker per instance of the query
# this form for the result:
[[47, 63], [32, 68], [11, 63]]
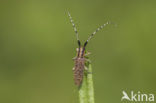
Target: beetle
[[80, 58]]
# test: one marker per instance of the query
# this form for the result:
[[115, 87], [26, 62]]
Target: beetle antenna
[[99, 28], [77, 37]]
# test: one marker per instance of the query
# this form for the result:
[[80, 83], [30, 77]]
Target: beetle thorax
[[80, 52]]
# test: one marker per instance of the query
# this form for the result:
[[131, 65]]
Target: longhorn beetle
[[80, 58]]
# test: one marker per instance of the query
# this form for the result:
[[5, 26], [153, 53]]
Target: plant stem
[[90, 85], [83, 91], [86, 90]]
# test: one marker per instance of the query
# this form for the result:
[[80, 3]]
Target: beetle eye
[[77, 49]]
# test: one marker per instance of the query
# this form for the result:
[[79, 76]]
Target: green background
[[37, 44]]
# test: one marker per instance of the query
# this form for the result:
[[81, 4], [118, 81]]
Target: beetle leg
[[73, 68], [87, 70], [88, 60], [74, 58], [88, 53]]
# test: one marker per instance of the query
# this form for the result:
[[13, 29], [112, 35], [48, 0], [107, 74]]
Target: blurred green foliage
[[37, 44]]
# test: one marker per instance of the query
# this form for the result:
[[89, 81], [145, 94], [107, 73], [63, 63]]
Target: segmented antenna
[[71, 20], [101, 27]]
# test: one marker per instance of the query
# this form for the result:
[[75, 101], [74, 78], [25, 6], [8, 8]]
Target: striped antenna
[[101, 27], [71, 20]]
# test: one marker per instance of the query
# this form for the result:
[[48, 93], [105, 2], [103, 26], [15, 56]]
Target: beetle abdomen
[[78, 70]]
